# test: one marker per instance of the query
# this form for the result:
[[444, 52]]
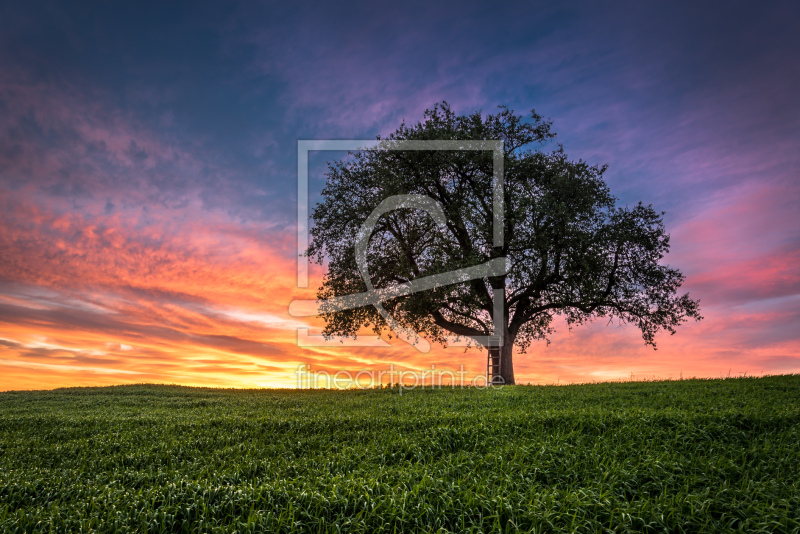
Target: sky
[[148, 174]]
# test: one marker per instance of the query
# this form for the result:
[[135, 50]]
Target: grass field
[[677, 456]]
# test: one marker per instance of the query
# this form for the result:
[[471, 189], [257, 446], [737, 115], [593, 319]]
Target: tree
[[569, 249]]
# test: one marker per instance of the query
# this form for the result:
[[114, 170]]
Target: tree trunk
[[507, 362], [504, 357]]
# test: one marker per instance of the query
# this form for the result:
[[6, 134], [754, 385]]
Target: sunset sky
[[148, 173]]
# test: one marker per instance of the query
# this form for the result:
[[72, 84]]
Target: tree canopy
[[569, 249]]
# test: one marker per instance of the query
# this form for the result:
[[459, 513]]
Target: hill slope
[[688, 455]]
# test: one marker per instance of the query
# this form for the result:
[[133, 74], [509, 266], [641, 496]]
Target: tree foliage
[[569, 248]]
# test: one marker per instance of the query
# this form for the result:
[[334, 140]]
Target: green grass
[[677, 456]]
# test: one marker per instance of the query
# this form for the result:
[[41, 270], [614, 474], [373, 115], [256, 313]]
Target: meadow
[[671, 456]]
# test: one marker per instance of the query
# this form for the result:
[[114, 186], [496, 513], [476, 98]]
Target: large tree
[[569, 249]]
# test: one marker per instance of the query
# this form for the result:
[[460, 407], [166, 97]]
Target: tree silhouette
[[568, 248]]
